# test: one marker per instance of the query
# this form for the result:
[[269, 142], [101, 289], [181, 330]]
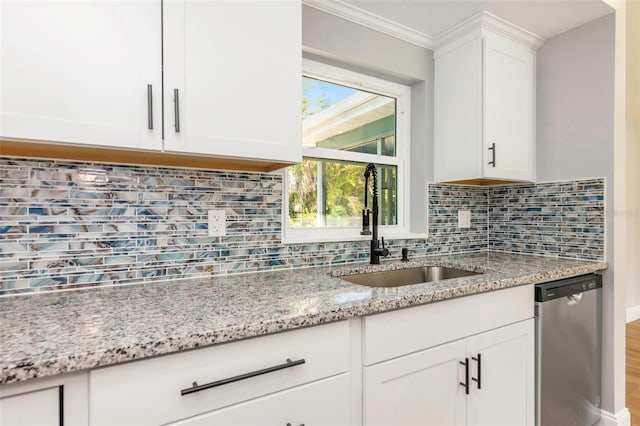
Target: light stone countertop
[[53, 333]]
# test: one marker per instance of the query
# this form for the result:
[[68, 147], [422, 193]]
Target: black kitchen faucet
[[376, 250]]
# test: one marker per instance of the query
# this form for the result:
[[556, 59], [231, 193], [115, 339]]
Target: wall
[[575, 139], [367, 50], [380, 55], [633, 157]]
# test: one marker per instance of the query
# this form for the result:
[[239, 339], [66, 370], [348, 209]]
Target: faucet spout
[[376, 250]]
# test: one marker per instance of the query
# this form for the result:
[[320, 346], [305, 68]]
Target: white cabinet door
[[484, 110], [458, 113], [418, 389], [232, 74], [508, 109], [78, 71], [322, 403], [38, 408], [505, 395]]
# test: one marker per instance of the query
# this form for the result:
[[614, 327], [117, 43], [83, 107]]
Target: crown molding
[[372, 21], [486, 20]]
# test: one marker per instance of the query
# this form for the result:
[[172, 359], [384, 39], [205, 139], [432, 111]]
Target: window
[[349, 120]]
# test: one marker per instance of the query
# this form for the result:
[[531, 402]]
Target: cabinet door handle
[[492, 148], [478, 379], [176, 109], [150, 106], [197, 388], [465, 384], [289, 424]]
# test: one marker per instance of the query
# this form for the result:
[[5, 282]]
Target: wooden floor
[[633, 371]]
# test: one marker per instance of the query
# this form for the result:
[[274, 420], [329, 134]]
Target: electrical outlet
[[464, 219], [217, 220]]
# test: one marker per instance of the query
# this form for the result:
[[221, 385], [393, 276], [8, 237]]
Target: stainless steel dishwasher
[[568, 351]]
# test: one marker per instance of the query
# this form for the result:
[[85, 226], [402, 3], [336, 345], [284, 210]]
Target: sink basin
[[408, 276]]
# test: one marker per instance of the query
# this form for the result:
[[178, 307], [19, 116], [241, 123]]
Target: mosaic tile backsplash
[[564, 219], [70, 225]]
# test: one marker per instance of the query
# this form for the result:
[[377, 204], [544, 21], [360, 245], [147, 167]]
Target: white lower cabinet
[[420, 362], [505, 395], [416, 389], [323, 403], [15, 410], [486, 379], [180, 386], [56, 400]]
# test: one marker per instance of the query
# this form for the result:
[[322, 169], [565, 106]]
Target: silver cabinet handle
[[150, 106], [492, 148], [176, 109]]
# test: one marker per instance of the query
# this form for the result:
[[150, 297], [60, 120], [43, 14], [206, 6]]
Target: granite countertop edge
[[27, 365]]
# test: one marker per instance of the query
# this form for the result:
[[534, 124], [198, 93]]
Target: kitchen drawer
[[148, 392], [400, 332], [14, 412], [320, 403]]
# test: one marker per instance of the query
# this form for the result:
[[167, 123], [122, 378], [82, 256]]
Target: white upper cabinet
[[92, 72], [508, 109], [484, 102], [232, 78], [81, 72]]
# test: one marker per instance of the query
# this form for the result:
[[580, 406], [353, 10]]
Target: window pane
[[331, 194], [347, 119]]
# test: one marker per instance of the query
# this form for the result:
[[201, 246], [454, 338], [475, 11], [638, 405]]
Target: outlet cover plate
[[216, 224], [464, 219]]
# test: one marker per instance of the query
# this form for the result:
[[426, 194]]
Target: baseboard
[[621, 418], [633, 313]]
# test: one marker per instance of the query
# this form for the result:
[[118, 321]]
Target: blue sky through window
[[321, 94]]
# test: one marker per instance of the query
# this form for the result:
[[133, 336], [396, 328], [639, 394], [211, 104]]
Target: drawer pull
[[176, 110], [198, 388], [492, 148], [150, 106], [289, 424], [465, 384], [478, 379]]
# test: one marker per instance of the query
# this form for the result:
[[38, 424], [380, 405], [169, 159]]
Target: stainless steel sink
[[408, 276]]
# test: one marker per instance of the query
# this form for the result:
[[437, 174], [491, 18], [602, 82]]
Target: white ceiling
[[545, 18]]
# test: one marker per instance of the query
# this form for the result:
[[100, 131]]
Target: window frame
[[402, 94]]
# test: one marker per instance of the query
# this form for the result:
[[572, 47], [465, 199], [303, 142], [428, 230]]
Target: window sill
[[335, 239]]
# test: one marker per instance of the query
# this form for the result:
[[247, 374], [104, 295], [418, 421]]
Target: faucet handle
[[405, 254], [385, 252]]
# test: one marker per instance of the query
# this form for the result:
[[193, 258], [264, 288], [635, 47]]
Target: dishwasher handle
[[574, 299]]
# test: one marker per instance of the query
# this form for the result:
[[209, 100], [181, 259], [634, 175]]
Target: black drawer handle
[[289, 424], [465, 384], [197, 388], [478, 380]]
